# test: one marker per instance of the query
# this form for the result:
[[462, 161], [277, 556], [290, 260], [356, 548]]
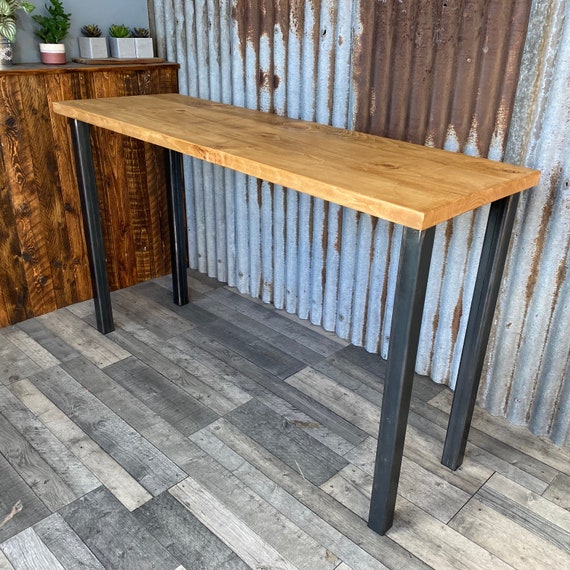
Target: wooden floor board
[[275, 320], [14, 363], [175, 374], [4, 562], [314, 461], [34, 470], [260, 330], [184, 536], [153, 470], [64, 543], [114, 535], [76, 477], [286, 503], [173, 404], [26, 551], [32, 349], [56, 346], [226, 435], [14, 493], [86, 340], [145, 421], [559, 491], [102, 465], [252, 372]]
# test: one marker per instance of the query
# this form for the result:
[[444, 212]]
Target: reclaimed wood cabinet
[[43, 259]]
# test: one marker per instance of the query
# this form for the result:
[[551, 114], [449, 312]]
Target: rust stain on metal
[[256, 18], [420, 67], [541, 236]]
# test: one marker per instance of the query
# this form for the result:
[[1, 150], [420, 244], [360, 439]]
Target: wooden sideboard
[[43, 257]]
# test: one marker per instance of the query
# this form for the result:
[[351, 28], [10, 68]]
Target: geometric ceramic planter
[[53, 53], [144, 48], [123, 47], [93, 48]]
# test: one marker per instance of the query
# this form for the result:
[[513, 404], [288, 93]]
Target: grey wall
[[102, 12]]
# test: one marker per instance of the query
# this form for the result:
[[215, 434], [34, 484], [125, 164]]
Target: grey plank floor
[[228, 435]]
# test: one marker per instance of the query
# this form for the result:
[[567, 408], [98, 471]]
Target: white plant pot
[[53, 54], [144, 48], [123, 48], [93, 48]]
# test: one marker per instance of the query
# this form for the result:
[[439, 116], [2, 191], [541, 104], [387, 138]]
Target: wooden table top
[[408, 184]]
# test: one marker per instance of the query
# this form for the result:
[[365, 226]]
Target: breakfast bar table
[[412, 185]]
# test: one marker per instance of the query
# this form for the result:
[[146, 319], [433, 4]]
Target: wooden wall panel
[[43, 260]]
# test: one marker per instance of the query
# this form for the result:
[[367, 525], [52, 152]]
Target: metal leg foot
[[413, 273], [491, 264], [92, 225]]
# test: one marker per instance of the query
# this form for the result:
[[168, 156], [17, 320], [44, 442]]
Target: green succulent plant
[[119, 31], [141, 33], [8, 17], [54, 27], [91, 31]]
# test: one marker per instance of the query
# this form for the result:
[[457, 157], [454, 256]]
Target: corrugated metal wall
[[441, 73]]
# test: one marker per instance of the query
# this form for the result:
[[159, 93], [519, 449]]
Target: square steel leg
[[178, 244], [92, 225], [413, 270], [487, 284]]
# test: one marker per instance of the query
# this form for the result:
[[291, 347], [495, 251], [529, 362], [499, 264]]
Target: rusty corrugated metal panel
[[441, 73], [528, 374]]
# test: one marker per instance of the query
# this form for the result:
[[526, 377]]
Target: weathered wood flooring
[[228, 435]]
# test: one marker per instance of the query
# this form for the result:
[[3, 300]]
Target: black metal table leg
[[411, 285], [92, 225], [489, 274], [174, 193]]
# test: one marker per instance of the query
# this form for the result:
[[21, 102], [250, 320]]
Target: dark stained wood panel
[[43, 260]]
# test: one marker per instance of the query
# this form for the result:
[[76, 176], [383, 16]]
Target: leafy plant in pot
[[52, 30], [8, 19], [143, 43], [121, 41], [91, 44]]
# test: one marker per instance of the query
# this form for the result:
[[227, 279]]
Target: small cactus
[[119, 31], [91, 31], [141, 33]]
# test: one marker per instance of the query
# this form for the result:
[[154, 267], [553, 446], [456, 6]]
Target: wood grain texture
[[407, 184], [304, 454], [13, 488], [170, 402], [26, 550], [43, 260], [303, 517], [184, 536], [267, 522], [103, 466], [68, 468], [246, 543], [152, 469], [246, 492], [64, 543], [114, 535]]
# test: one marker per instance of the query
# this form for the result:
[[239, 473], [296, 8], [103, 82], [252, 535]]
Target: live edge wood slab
[[408, 184], [411, 185]]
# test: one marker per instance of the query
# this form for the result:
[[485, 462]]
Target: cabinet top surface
[[408, 184], [71, 67]]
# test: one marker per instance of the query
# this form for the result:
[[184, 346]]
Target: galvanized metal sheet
[[437, 73]]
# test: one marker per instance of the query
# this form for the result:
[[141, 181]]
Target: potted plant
[[91, 44], [143, 43], [52, 30], [8, 18], [121, 41]]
